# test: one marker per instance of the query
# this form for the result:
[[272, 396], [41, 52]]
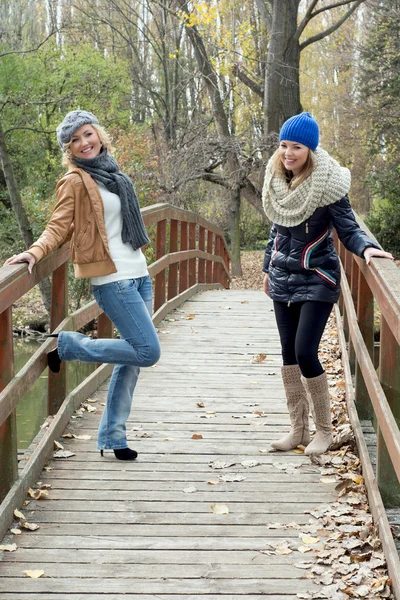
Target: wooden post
[[354, 294], [389, 375], [202, 262], [183, 265], [173, 269], [8, 429], [209, 264], [159, 292], [365, 317], [215, 267], [57, 382], [192, 261]]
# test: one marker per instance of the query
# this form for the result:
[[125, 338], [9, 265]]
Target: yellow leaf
[[219, 509], [38, 494], [298, 450], [34, 574], [213, 482], [18, 514], [308, 539], [197, 436], [58, 445], [191, 316], [283, 549]]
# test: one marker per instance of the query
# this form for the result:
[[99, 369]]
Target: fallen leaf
[[29, 526], [169, 439], [229, 478], [304, 549], [308, 539], [190, 489], [16, 531], [189, 317], [38, 494], [244, 302], [250, 463], [258, 358], [283, 549], [197, 436], [83, 437], [70, 436], [34, 574], [220, 464], [200, 404], [219, 509], [213, 482], [63, 454], [8, 547], [18, 514], [58, 445]]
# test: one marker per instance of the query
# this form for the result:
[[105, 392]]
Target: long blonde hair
[[278, 169], [104, 137]]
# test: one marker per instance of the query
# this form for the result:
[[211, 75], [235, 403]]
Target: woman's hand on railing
[[26, 257], [370, 252]]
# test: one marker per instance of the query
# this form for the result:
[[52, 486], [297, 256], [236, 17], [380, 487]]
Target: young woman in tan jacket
[[98, 210]]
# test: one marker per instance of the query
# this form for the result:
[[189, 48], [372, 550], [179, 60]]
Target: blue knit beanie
[[72, 121], [302, 129]]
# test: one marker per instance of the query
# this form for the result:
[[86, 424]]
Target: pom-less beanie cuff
[[72, 121], [302, 129]]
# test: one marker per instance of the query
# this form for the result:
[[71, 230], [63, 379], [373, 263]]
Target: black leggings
[[301, 326]]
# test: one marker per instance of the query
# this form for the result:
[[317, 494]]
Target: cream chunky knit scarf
[[328, 183]]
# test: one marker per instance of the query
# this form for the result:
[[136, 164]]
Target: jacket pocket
[[86, 237]]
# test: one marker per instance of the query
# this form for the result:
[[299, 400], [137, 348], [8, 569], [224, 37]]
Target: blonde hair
[[104, 137], [279, 169]]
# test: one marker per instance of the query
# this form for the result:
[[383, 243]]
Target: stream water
[[32, 408]]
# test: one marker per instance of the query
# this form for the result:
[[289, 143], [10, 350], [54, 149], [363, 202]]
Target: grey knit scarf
[[104, 168]]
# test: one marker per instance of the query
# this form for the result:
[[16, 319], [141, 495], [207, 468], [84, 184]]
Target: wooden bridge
[[206, 511]]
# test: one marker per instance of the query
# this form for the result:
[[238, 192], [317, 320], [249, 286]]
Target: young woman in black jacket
[[305, 196]]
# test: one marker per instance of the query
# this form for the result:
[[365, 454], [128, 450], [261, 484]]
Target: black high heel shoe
[[123, 454]]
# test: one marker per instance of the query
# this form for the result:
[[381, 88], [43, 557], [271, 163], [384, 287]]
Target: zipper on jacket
[[306, 226], [288, 303]]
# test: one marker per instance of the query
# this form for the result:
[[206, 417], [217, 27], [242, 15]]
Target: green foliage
[[381, 99], [384, 218]]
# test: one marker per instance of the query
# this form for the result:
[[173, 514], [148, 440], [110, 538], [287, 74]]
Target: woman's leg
[[313, 318], [122, 302], [287, 318], [128, 304]]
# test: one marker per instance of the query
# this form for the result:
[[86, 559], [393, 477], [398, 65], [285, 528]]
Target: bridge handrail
[[190, 254], [377, 392]]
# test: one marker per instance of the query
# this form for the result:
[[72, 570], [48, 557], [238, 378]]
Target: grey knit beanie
[[72, 121]]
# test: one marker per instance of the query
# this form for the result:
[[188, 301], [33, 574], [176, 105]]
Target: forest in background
[[194, 94]]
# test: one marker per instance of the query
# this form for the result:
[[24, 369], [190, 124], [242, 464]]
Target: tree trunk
[[282, 84], [235, 232], [21, 216]]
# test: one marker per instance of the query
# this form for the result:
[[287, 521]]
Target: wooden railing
[[191, 255], [369, 310]]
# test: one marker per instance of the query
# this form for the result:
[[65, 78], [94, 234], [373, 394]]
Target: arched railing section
[[369, 309], [190, 255]]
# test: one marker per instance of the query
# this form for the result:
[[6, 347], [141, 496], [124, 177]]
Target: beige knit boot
[[319, 393], [298, 410]]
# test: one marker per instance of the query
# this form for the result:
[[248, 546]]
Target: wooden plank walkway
[[145, 530]]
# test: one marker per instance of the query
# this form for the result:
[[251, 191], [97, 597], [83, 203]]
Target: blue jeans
[[128, 303]]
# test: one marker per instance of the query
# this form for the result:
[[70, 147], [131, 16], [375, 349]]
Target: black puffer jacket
[[302, 262]]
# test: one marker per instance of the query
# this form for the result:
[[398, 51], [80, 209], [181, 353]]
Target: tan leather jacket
[[78, 215]]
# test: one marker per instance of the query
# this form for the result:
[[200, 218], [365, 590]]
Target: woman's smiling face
[[85, 142], [293, 156]]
